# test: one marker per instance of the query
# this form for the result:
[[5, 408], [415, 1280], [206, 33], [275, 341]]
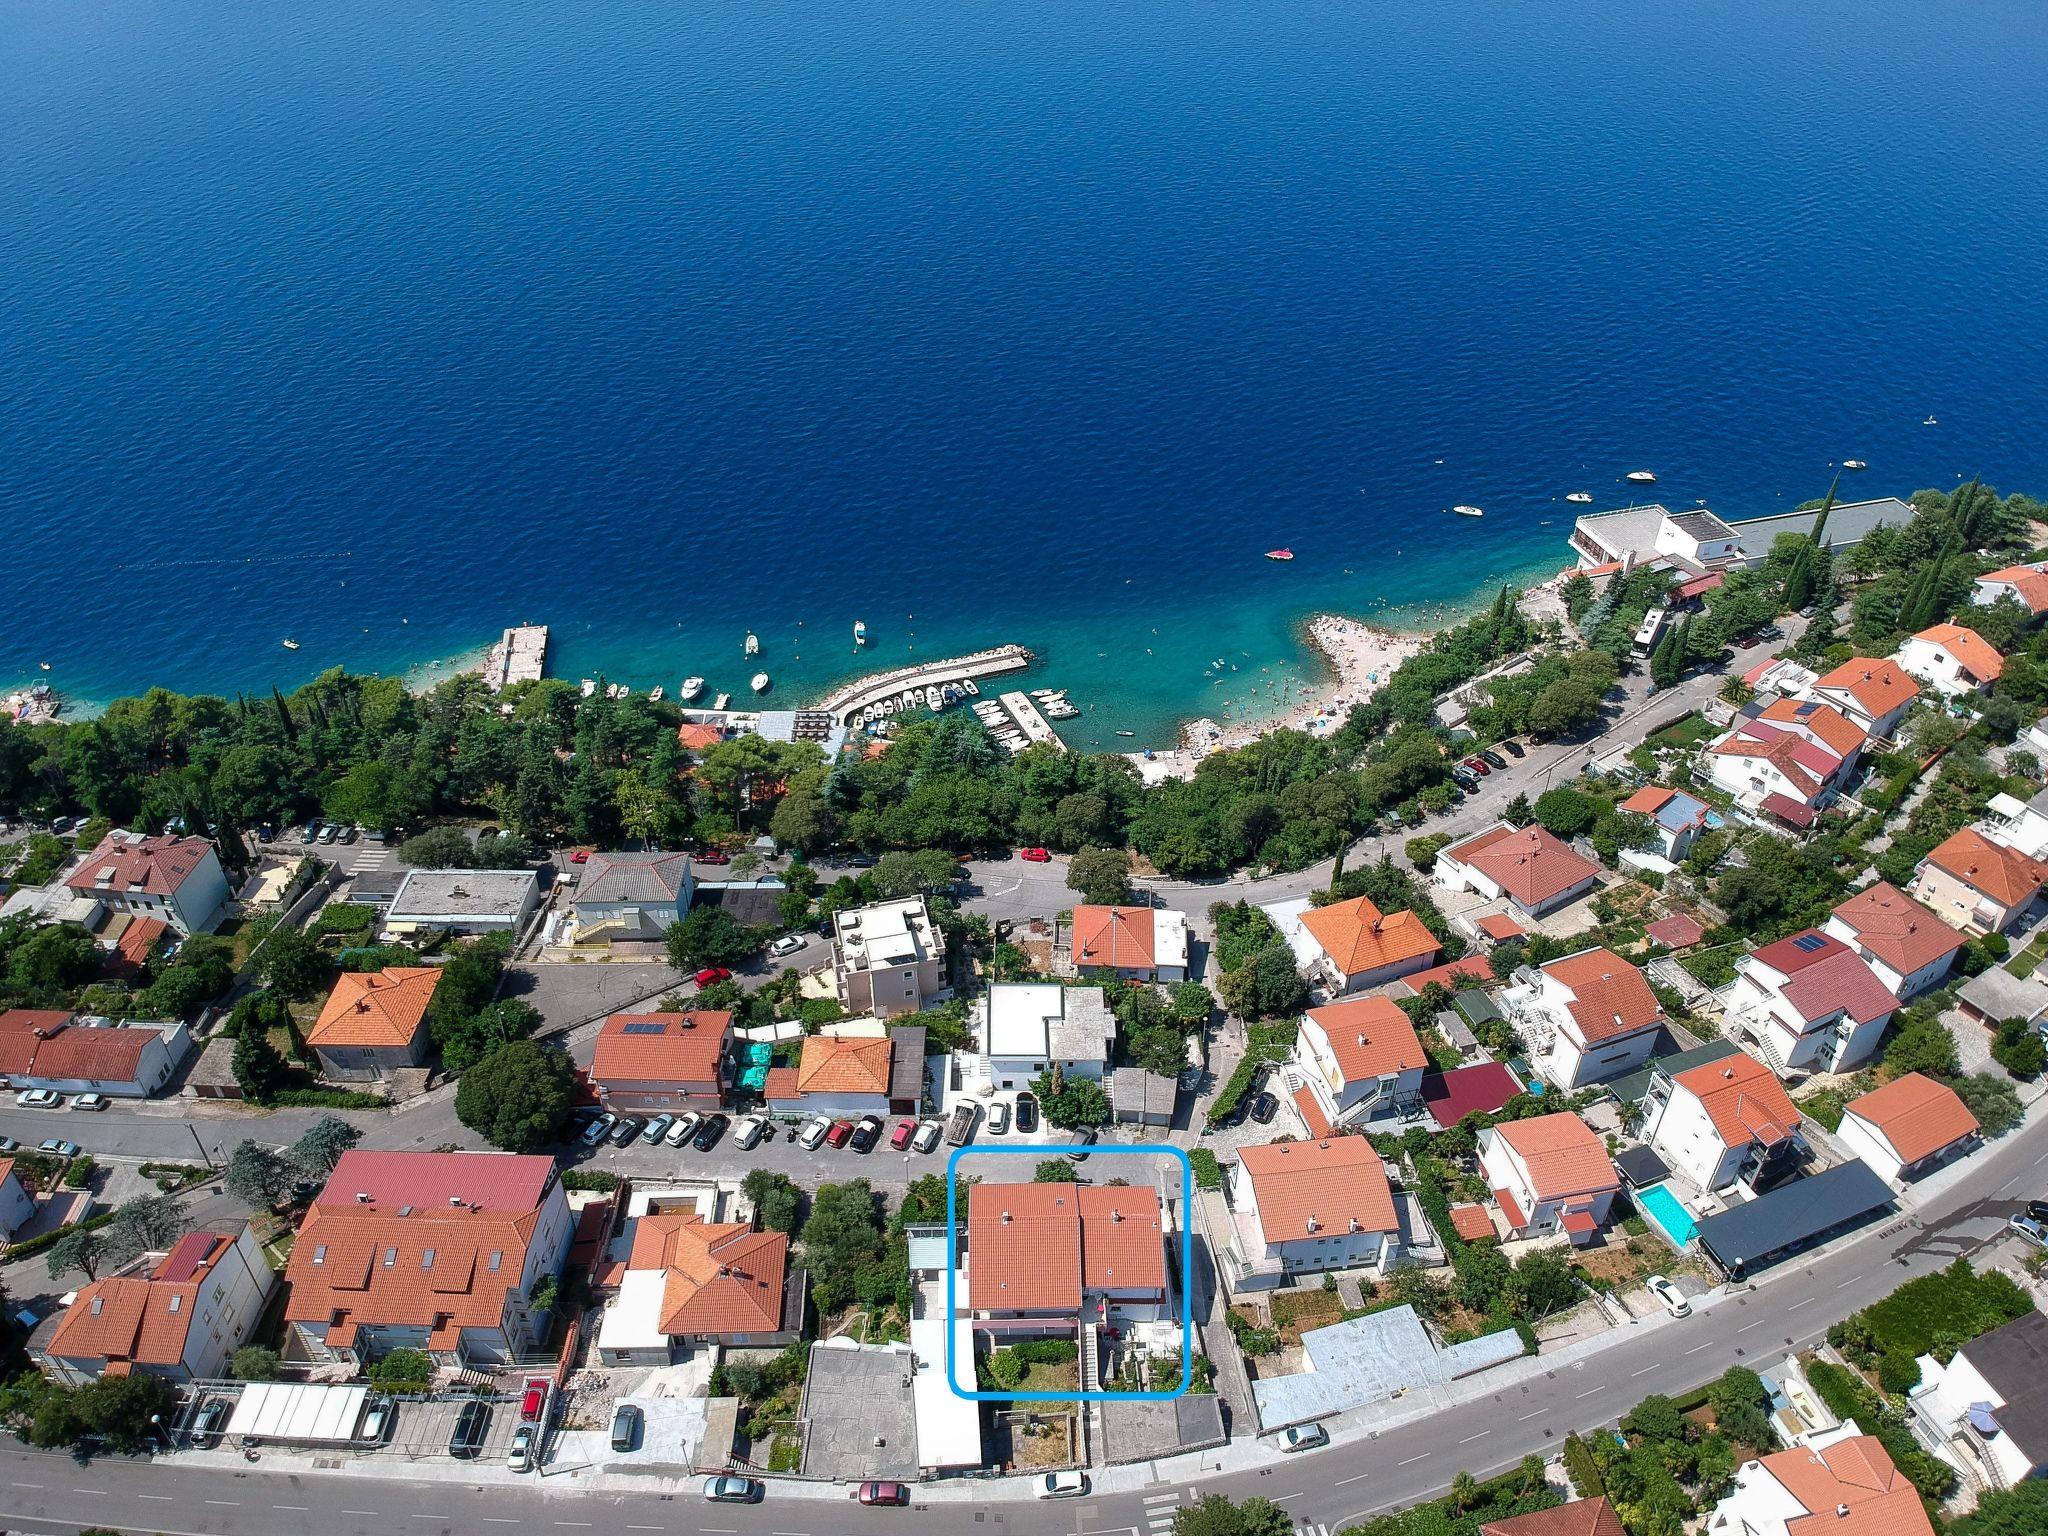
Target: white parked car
[[1304, 1437], [38, 1098], [1062, 1485], [999, 1118], [812, 1136], [788, 944], [520, 1457], [90, 1101], [1673, 1299], [928, 1134], [747, 1130], [684, 1128]]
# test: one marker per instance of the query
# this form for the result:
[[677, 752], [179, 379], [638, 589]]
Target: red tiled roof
[[844, 1064], [2004, 874], [1977, 655], [1917, 1115], [1579, 1221], [780, 1083], [105, 1053], [1452, 974], [1878, 687], [1499, 927], [1478, 1089], [1826, 724], [22, 1030], [1472, 1223], [151, 866], [1836, 978], [1118, 937], [1676, 931], [695, 738], [1517, 1217], [1312, 1114], [1785, 808], [1856, 1476], [1335, 1185], [1743, 1099], [1036, 1246], [1530, 865], [1563, 1155], [1897, 929], [1358, 937], [1648, 800], [661, 1047], [1778, 748], [378, 1009], [2029, 585], [125, 1321], [723, 1277], [1123, 1238], [132, 949], [1587, 1517], [500, 1182], [1610, 998], [1369, 1036]]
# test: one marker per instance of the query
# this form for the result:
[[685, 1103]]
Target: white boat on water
[[1583, 498], [1465, 509], [1854, 464], [1641, 477], [759, 683], [692, 686], [753, 645], [291, 645], [625, 690], [860, 632], [721, 701], [934, 700], [1929, 422], [589, 686], [654, 694], [969, 684]]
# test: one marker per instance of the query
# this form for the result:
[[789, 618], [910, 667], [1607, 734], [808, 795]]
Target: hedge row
[[35, 1245]]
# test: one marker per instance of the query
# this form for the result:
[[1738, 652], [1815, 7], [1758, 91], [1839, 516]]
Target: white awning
[[298, 1414]]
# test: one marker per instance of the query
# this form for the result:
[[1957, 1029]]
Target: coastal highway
[[1790, 1307]]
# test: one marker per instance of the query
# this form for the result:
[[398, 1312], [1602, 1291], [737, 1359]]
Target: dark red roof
[[1785, 808], [1484, 1088], [1676, 931], [1452, 974]]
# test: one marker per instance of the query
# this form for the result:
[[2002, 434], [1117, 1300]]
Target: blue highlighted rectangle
[[1187, 1270]]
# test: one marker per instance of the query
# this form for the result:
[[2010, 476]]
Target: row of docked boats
[[932, 696], [1053, 704], [999, 725]]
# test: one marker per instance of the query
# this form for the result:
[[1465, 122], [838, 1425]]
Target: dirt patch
[[1295, 1312]]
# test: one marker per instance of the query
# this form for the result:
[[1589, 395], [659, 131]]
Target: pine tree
[[285, 722], [1820, 519], [1963, 510], [1800, 581]]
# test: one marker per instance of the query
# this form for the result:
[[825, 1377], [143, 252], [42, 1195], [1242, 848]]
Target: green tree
[[321, 1147], [842, 1236], [291, 964], [1219, 1516], [1656, 1417], [1069, 1103], [777, 1202], [708, 936], [2017, 1511], [1992, 1099], [1564, 812], [438, 848], [260, 1176], [78, 1251], [1191, 1005], [255, 1362], [259, 1070], [518, 1096], [1741, 1410], [1102, 876], [1518, 811], [146, 1224], [1565, 706], [122, 1411], [1053, 1170]]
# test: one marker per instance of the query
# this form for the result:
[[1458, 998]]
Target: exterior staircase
[[1091, 1359]]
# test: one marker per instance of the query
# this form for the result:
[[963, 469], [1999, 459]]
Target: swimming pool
[[1667, 1213]]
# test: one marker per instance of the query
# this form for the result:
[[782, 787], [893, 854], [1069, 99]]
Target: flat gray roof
[[1133, 1431], [432, 893], [2000, 995], [1368, 1360], [854, 1398], [1751, 1234], [1849, 524]]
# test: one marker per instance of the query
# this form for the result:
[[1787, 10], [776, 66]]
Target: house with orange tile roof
[[1909, 1127], [1298, 1207], [178, 1315], [663, 1062], [1810, 1003], [1847, 1488], [375, 1022], [1908, 947], [1045, 1258], [1359, 1059], [1951, 658], [2026, 585], [436, 1251], [1791, 758], [1348, 946], [1677, 818], [1725, 1122], [1549, 1174], [67, 1053], [1871, 694], [1586, 1017], [130, 943], [688, 1282], [1526, 867], [1586, 1517], [1134, 943], [1976, 885], [177, 879], [835, 1075]]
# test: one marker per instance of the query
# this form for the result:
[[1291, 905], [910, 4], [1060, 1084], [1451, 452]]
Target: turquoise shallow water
[[381, 327]]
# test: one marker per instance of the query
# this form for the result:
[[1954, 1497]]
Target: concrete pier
[[1034, 726], [845, 703], [520, 656]]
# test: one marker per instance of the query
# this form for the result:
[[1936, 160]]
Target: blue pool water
[[380, 325], [1667, 1213]]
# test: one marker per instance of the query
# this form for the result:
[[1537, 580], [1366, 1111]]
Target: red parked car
[[533, 1397], [884, 1493], [712, 973], [900, 1137], [713, 856], [580, 856], [841, 1129], [1034, 855], [1478, 766]]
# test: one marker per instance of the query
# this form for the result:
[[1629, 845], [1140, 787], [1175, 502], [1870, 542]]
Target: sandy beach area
[[1361, 656]]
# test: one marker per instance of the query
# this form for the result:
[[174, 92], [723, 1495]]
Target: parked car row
[[49, 1098], [864, 1133], [52, 1146], [328, 832], [703, 1131]]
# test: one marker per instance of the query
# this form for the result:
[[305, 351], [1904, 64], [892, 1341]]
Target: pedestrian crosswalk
[[1161, 1507]]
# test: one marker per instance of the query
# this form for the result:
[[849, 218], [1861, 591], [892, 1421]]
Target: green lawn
[[1692, 729], [2028, 960]]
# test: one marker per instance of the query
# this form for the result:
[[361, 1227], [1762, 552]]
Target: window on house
[[320, 1254], [390, 1257], [497, 1258], [427, 1259]]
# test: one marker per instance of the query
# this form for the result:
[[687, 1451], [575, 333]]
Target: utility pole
[[210, 1164]]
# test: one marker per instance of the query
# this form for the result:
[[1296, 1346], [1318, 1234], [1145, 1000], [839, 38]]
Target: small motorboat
[[933, 701], [1928, 422], [588, 686], [44, 665], [1641, 477], [753, 645], [970, 685], [1854, 464], [759, 682], [692, 686], [291, 645], [1279, 554], [860, 632], [625, 690], [1127, 733], [1583, 498], [722, 701], [1465, 509], [654, 694]]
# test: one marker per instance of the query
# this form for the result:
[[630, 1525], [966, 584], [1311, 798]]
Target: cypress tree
[[285, 722], [1820, 520]]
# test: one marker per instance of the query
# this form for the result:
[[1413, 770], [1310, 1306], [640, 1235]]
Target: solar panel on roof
[[1809, 942], [644, 1028]]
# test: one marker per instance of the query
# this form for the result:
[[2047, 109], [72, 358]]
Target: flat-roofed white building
[[887, 959], [1028, 1027]]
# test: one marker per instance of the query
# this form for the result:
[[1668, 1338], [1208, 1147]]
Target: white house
[[1687, 541], [1908, 947], [1348, 946], [177, 879], [78, 1054], [1977, 885], [1027, 1027], [17, 1204], [1677, 818], [1302, 1206], [1550, 1173], [1847, 1488], [1526, 866], [1909, 1127], [1791, 758], [1725, 1122], [1987, 1409], [1357, 1060], [632, 896], [1810, 1002], [1871, 694], [1585, 1018], [179, 1318], [1134, 943], [1951, 658], [2021, 825], [2026, 585], [887, 959]]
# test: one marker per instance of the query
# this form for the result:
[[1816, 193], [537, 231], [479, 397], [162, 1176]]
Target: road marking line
[[1698, 1347], [1525, 1418], [1643, 1372], [1411, 1458], [444, 1517], [645, 1527], [583, 1523], [222, 1503], [1798, 1304], [1282, 1498], [1849, 1282], [1163, 1498], [1591, 1390], [25, 1485], [298, 1508], [161, 1498], [372, 1512], [1480, 1436], [508, 1520], [1344, 1480], [1757, 1324]]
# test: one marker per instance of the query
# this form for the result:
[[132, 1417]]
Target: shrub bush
[[1208, 1172]]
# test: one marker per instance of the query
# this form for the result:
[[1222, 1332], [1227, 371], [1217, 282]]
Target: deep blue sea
[[383, 325]]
